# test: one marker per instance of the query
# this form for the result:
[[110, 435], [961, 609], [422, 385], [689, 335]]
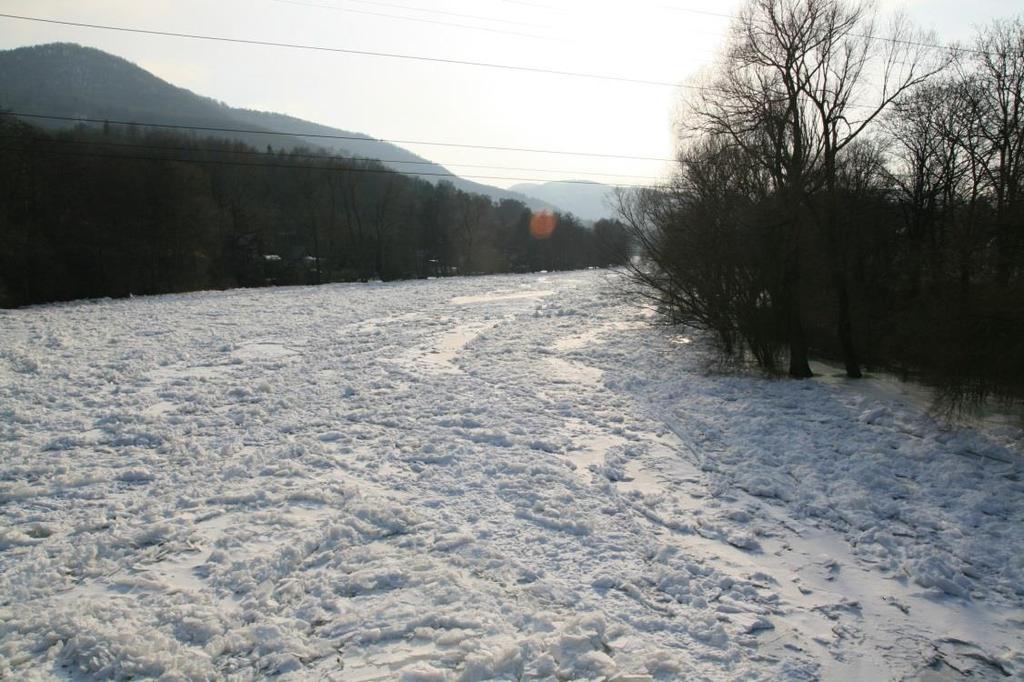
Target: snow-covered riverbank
[[501, 477]]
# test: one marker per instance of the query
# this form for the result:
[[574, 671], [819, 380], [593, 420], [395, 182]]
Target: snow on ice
[[510, 477]]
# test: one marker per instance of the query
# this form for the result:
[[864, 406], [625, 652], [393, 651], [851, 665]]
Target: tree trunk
[[837, 256], [799, 367], [845, 328]]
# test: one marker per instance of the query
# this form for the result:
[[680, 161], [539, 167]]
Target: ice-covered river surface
[[487, 478]]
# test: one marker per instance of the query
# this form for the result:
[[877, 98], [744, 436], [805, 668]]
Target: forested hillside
[[64, 82], [118, 211]]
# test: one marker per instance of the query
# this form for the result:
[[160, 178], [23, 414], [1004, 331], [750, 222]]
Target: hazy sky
[[659, 40]]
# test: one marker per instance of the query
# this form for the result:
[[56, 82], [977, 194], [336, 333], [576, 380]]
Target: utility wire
[[570, 39], [322, 136], [317, 157], [389, 55], [733, 17], [342, 50], [435, 22], [565, 10], [340, 169], [363, 53], [865, 36], [439, 12], [523, 3]]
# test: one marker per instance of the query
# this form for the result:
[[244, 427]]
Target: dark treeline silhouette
[[852, 195], [94, 212]]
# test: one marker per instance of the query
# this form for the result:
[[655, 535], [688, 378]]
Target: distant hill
[[587, 200], [65, 79]]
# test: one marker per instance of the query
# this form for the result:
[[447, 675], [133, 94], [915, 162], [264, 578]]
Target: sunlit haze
[[415, 100]]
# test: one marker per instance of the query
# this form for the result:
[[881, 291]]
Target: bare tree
[[999, 67], [964, 129], [931, 151], [793, 90], [702, 249]]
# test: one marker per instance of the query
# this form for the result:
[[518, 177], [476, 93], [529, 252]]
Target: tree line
[[114, 211], [849, 190]]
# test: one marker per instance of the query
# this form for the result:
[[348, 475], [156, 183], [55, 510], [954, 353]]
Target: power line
[[363, 53], [439, 12], [320, 157], [340, 169], [523, 3], [388, 55], [701, 12], [564, 10], [323, 136], [415, 19], [674, 8], [573, 39], [732, 17], [342, 50]]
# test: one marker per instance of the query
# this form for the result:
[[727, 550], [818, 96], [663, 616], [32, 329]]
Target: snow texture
[[513, 477]]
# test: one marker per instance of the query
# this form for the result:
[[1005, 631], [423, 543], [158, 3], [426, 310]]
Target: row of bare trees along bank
[[96, 212], [848, 188]]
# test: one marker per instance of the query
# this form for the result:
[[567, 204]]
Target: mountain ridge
[[584, 198], [74, 81]]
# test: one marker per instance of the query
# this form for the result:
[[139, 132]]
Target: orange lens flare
[[542, 224]]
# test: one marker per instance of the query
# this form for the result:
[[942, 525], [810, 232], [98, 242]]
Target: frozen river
[[514, 477]]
